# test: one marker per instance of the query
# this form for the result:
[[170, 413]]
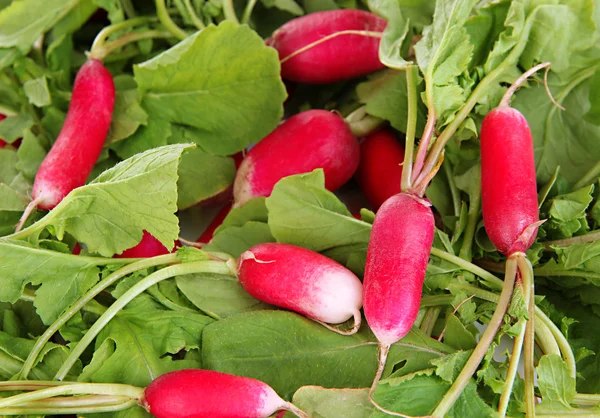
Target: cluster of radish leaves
[[206, 319]]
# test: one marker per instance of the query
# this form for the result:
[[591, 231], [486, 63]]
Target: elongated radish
[[331, 46], [147, 247], [205, 393], [380, 170], [214, 224], [303, 281], [80, 141], [306, 141]]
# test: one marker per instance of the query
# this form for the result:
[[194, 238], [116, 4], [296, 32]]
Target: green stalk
[[165, 19], [103, 35], [412, 75], [489, 278], [528, 346], [128, 9], [565, 348], [483, 345], [515, 356], [78, 411], [85, 299], [139, 288], [586, 399], [545, 338], [589, 177], [76, 401], [472, 218], [101, 53], [591, 237], [248, 11], [436, 300], [229, 11], [431, 318], [454, 192], [116, 389], [195, 19]]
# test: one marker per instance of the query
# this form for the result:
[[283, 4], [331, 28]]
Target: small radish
[[215, 223], [306, 141], [508, 179], [195, 393], [146, 248], [380, 169], [303, 281], [330, 46], [80, 141]]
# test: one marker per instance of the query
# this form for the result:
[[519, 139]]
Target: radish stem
[[193, 16], [101, 53], [527, 273], [22, 410], [139, 288], [103, 35], [484, 342], [84, 300], [165, 19], [229, 11], [472, 219], [248, 11], [591, 237], [412, 75], [505, 102]]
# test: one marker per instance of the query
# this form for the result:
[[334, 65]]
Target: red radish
[[76, 249], [380, 170], [73, 155], [2, 142], [303, 281], [508, 180], [216, 222], [330, 46], [195, 393], [146, 248], [306, 141]]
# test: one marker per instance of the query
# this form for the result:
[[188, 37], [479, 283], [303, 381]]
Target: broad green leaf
[[217, 294], [567, 213], [393, 44], [134, 347], [114, 9], [593, 115], [443, 54], [255, 210], [232, 95], [22, 23], [288, 351], [14, 127], [302, 212], [128, 115], [457, 335], [63, 277], [11, 200], [555, 383], [386, 97], [75, 19], [484, 27], [37, 92], [31, 154], [109, 214], [154, 134], [450, 366], [234, 240], [319, 402]]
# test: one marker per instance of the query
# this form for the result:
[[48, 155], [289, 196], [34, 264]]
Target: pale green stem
[[472, 218], [545, 338], [526, 271], [483, 345], [132, 293], [591, 237], [195, 19], [102, 52], [248, 11], [436, 300], [488, 277], [565, 347], [76, 411], [590, 177], [454, 192], [366, 125], [412, 75], [165, 19], [431, 318], [103, 35], [586, 399], [229, 11], [85, 299]]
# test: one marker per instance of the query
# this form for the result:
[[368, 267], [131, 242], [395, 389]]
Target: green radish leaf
[[457, 335], [232, 95], [134, 347], [114, 9], [22, 23], [555, 383], [11, 200], [302, 212], [484, 28], [593, 115], [31, 154], [63, 278], [567, 213], [75, 19], [37, 91], [443, 54], [450, 366], [393, 44], [288, 351], [234, 240], [385, 96], [128, 115], [319, 402], [255, 210], [154, 134], [217, 294], [109, 214], [14, 127]]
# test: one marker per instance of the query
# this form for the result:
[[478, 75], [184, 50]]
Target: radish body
[[397, 258], [195, 393], [76, 150], [147, 247], [2, 142], [380, 171], [508, 181], [301, 280], [306, 141], [338, 58]]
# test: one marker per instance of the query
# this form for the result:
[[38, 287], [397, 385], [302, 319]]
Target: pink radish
[[147, 247], [216, 222], [195, 393], [303, 281], [306, 141], [380, 169], [331, 46], [80, 141]]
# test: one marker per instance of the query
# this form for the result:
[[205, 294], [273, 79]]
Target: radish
[[195, 393], [330, 46], [80, 141], [380, 169], [207, 235], [2, 142], [303, 281], [146, 248], [306, 141]]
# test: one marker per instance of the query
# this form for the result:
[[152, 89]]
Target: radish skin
[[147, 247], [397, 258], [306, 141], [380, 171], [508, 181], [339, 58], [78, 146], [195, 393], [301, 280]]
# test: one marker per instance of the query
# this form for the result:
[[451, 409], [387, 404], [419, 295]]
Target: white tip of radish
[[341, 297]]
